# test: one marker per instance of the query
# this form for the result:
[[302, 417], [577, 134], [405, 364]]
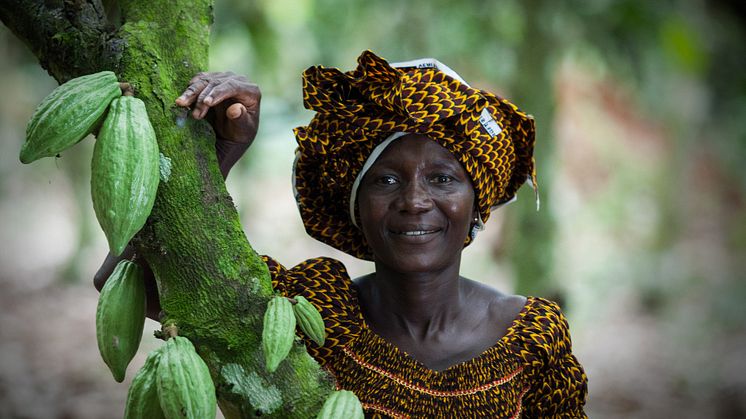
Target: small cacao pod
[[120, 317], [309, 319], [185, 388], [341, 404], [142, 398], [278, 332], [124, 171], [68, 114]]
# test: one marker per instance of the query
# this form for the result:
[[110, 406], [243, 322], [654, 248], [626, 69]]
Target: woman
[[401, 165]]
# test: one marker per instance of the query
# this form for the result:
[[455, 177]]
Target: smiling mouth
[[415, 232]]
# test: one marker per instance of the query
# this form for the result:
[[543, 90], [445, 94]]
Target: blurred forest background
[[641, 115]]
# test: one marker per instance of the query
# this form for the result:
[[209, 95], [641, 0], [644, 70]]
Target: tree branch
[[70, 37]]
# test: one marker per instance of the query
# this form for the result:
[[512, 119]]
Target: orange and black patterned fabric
[[357, 110], [529, 373]]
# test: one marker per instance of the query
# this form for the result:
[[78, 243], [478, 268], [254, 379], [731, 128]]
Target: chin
[[417, 263]]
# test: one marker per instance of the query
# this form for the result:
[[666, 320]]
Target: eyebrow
[[439, 163]]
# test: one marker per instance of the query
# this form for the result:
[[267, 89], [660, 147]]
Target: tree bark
[[212, 285]]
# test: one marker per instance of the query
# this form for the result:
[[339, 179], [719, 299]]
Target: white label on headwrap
[[430, 63], [489, 123]]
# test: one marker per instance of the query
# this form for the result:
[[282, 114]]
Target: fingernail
[[208, 100]]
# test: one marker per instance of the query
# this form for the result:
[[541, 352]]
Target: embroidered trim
[[392, 413], [431, 392], [520, 403]]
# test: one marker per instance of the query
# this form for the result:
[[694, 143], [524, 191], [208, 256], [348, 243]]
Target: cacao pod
[[120, 317], [142, 398], [68, 114], [124, 172], [341, 404], [278, 332], [309, 319], [185, 388]]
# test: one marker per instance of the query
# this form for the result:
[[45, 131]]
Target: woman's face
[[416, 206]]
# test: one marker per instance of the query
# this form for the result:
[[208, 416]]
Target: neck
[[417, 303]]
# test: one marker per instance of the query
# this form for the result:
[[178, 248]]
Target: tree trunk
[[212, 285]]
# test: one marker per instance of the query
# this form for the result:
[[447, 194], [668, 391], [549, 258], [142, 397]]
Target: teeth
[[417, 233]]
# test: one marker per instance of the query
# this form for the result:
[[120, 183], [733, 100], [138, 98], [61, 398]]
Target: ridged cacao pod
[[185, 388], [124, 172], [309, 319], [68, 114], [278, 332], [120, 317], [142, 398], [341, 404]]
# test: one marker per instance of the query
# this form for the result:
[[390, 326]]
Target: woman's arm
[[231, 104]]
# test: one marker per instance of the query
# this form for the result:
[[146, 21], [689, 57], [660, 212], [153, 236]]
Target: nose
[[414, 198]]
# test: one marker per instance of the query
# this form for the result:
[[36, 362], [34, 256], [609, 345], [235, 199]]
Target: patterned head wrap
[[357, 110]]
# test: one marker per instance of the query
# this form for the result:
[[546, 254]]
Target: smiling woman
[[402, 164]]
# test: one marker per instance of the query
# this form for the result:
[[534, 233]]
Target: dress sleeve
[[557, 385], [325, 283]]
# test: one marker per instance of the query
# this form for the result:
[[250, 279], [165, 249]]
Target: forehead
[[415, 149]]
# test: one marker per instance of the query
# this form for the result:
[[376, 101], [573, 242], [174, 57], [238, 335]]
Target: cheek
[[370, 214], [460, 206]]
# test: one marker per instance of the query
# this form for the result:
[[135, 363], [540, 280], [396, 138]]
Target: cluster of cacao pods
[[174, 383], [280, 319], [125, 172]]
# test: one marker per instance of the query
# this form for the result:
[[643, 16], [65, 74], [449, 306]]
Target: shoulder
[[542, 333], [502, 309]]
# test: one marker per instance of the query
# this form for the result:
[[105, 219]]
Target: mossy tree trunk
[[212, 284]]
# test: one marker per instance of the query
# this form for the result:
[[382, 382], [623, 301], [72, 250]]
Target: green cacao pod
[[124, 172], [309, 319], [142, 398], [341, 404], [68, 114], [185, 388], [120, 317], [278, 332]]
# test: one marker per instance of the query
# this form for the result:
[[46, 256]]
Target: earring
[[476, 228]]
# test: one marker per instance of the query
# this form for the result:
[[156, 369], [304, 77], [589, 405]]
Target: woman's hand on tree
[[231, 104]]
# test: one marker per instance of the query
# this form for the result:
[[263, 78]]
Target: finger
[[206, 92], [235, 111], [191, 93], [203, 106], [237, 90]]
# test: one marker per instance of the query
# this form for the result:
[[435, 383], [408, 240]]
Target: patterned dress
[[529, 373]]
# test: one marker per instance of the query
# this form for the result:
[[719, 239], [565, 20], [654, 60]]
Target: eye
[[386, 180], [442, 179]]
